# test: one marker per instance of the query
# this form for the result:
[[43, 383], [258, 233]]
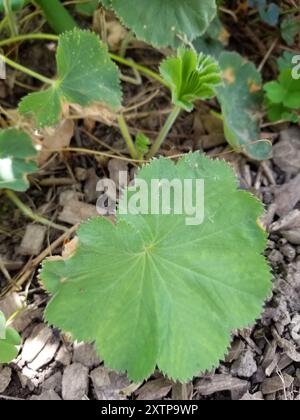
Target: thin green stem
[[25, 70], [28, 37], [164, 132], [10, 17], [29, 213], [140, 68], [127, 137]]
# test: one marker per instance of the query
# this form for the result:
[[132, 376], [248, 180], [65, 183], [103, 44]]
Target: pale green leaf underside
[[16, 155], [191, 77], [153, 291], [161, 23], [241, 101], [86, 74]]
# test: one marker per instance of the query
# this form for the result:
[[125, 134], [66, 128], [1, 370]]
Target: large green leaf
[[190, 77], [161, 23], [154, 291], [9, 341], [16, 159], [86, 74], [241, 101]]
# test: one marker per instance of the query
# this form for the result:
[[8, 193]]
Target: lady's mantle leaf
[[85, 75], [190, 77], [9, 341], [16, 155], [154, 291], [241, 100], [161, 23]]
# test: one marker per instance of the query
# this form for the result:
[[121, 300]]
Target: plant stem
[[57, 15], [25, 70], [127, 137], [29, 213], [10, 17], [164, 132], [28, 37], [140, 68]]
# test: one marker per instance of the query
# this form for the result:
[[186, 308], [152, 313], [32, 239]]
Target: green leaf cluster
[[9, 341], [17, 156], [283, 97], [154, 291]]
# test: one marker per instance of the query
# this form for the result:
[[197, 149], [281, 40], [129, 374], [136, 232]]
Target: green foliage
[[87, 7], [190, 77], [15, 5], [283, 97], [9, 341], [161, 23], [290, 28], [142, 144], [241, 100], [214, 40], [86, 74], [269, 13], [153, 291], [16, 155]]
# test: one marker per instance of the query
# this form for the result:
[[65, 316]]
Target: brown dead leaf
[[95, 112], [56, 138], [115, 34], [154, 390]]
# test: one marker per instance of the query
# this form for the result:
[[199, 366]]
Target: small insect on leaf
[[190, 77], [17, 156], [86, 74], [153, 290]]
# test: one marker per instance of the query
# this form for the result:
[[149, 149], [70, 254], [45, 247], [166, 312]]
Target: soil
[[264, 361]]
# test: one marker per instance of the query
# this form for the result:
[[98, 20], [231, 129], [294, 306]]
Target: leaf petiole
[[25, 70], [29, 213], [127, 137], [164, 132]]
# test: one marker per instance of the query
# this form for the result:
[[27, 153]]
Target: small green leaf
[[86, 74], [16, 155], [190, 77], [142, 144], [241, 101], [283, 97], [9, 341], [162, 23], [154, 291], [290, 28]]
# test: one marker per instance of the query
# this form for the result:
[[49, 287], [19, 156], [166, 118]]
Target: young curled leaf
[[190, 77], [86, 75], [17, 156], [153, 290]]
